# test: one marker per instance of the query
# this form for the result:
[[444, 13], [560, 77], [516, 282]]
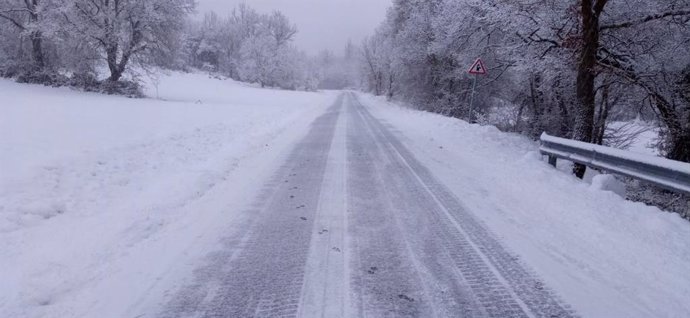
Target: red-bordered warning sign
[[478, 68]]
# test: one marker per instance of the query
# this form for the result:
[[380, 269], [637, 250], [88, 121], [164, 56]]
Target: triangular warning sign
[[478, 68]]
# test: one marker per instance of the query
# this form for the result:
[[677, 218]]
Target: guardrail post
[[553, 161]]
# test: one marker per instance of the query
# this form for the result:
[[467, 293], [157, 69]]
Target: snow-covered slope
[[606, 256], [101, 196]]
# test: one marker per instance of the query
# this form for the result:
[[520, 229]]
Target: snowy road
[[353, 225], [234, 201]]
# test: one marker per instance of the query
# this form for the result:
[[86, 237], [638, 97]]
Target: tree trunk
[[113, 48], [677, 134], [379, 83], [602, 116], [537, 98], [584, 118], [115, 76], [36, 37], [680, 150], [37, 50], [113, 66], [518, 118], [117, 69]]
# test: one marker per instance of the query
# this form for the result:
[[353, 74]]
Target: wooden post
[[553, 160], [474, 87]]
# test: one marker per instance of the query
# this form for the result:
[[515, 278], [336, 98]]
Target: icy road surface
[[353, 225]]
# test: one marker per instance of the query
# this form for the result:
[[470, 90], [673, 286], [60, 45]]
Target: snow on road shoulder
[[605, 256], [105, 200]]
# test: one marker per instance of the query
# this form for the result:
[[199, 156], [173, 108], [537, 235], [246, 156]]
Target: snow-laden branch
[[12, 20], [16, 10], [646, 19]]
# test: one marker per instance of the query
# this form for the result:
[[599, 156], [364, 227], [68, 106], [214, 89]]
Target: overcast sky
[[322, 24]]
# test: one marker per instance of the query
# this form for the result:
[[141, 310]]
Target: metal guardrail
[[668, 174]]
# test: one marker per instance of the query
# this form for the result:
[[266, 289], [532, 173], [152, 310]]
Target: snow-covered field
[[103, 197], [605, 256]]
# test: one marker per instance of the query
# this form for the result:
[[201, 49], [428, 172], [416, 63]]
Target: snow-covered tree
[[126, 29], [563, 67], [610, 46], [31, 20], [259, 53], [249, 46]]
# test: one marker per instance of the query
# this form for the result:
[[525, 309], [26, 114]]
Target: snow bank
[[105, 200], [605, 256], [607, 182]]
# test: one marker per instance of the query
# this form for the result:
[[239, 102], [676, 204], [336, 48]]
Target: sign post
[[477, 69]]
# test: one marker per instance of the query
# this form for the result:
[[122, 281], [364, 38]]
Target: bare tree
[[125, 29], [629, 44], [280, 28], [373, 70]]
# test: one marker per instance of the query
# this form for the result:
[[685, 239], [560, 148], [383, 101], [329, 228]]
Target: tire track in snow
[[497, 280], [261, 273], [385, 280], [326, 287], [411, 238]]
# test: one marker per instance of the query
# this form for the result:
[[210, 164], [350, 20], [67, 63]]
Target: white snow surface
[[605, 256], [103, 198], [607, 182], [107, 203]]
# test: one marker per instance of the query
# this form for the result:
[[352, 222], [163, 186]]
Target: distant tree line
[[251, 47], [75, 42], [565, 67], [339, 71]]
